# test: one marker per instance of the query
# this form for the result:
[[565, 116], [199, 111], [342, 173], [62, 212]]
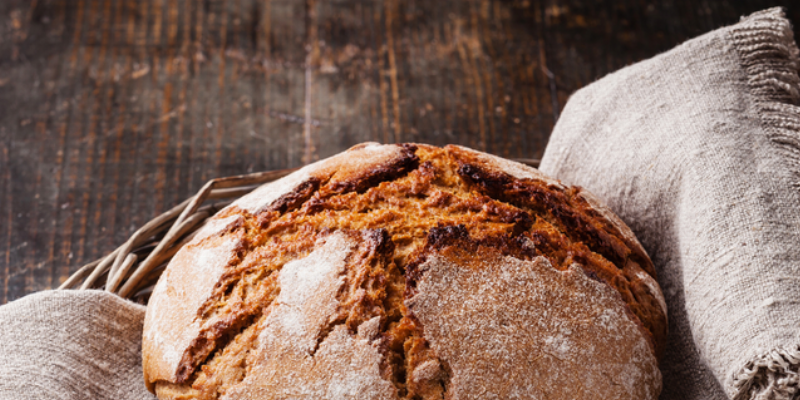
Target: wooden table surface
[[113, 111]]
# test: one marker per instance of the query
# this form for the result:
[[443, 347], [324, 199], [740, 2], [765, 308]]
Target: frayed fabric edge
[[771, 376], [769, 55], [770, 58]]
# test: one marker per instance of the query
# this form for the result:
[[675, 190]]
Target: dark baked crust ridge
[[581, 223], [293, 199], [361, 180], [518, 231], [579, 220]]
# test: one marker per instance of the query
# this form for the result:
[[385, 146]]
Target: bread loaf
[[408, 272]]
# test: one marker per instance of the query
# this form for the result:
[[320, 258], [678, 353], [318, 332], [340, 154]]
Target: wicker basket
[[133, 268]]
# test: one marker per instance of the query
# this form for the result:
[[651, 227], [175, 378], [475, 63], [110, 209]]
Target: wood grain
[[113, 111]]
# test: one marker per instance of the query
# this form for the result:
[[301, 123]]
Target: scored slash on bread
[[400, 218]]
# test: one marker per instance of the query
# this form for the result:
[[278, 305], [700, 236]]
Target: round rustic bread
[[408, 272]]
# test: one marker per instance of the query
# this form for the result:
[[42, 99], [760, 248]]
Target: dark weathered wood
[[111, 112]]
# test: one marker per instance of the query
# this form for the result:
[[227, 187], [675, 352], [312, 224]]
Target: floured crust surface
[[307, 287], [527, 313], [338, 365]]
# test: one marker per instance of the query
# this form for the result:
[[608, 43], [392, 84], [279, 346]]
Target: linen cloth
[[697, 149], [70, 345]]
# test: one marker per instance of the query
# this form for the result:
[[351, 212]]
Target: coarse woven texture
[[698, 150], [71, 345]]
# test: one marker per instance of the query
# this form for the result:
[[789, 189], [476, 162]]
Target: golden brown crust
[[399, 204], [175, 304]]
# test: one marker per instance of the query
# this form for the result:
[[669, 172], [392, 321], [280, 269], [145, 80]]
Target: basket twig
[[149, 247], [134, 267], [141, 235], [179, 230], [81, 273], [100, 269]]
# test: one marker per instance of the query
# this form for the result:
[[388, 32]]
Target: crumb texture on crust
[[302, 289], [528, 313]]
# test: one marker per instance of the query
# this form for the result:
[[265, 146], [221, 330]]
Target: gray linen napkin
[[71, 345], [698, 150]]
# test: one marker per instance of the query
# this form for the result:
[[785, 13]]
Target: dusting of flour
[[289, 361], [513, 329]]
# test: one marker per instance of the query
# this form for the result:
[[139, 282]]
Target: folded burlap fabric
[[71, 345], [698, 150]]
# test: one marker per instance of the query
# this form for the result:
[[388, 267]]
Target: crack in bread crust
[[426, 199]]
